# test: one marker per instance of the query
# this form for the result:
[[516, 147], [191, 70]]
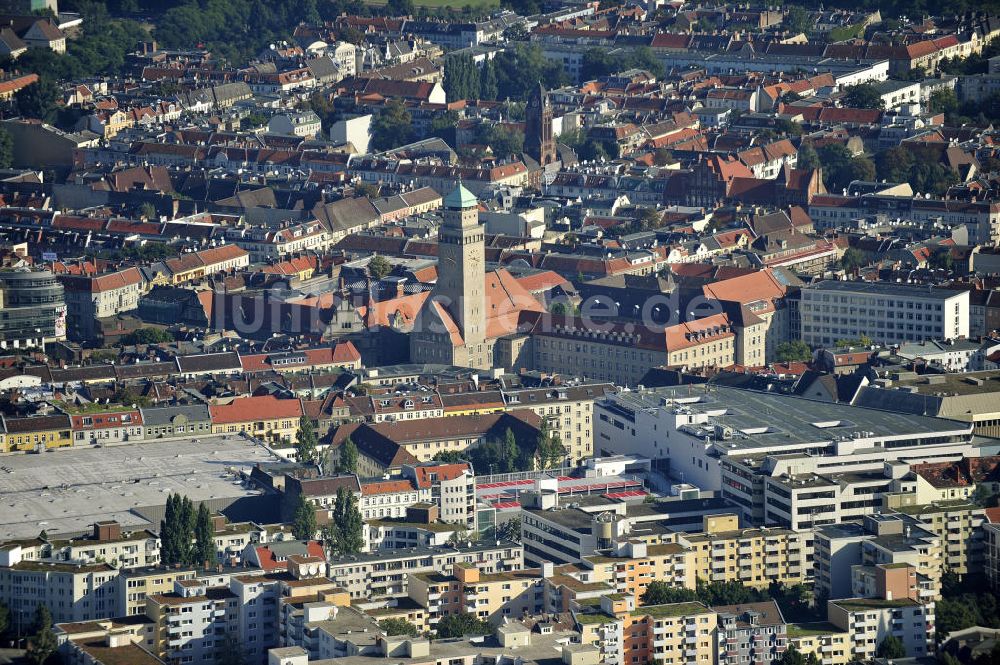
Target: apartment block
[[958, 526], [869, 621], [106, 642], [264, 416], [386, 447], [991, 550], [830, 644], [91, 298], [567, 529], [192, 622], [568, 410], [675, 634], [752, 632], [108, 543], [133, 586], [348, 633], [622, 353], [384, 573], [491, 597], [71, 591], [891, 539], [888, 313], [756, 558], [634, 564]]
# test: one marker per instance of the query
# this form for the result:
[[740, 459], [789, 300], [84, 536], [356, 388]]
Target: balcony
[[659, 644], [691, 639]]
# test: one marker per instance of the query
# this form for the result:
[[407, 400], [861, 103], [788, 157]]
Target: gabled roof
[[264, 407]]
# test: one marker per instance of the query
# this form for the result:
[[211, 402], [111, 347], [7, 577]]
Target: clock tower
[[461, 269]]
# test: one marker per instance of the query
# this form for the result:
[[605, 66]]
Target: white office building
[[786, 461], [885, 312]]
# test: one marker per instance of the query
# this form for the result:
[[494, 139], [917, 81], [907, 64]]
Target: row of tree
[[512, 454], [187, 537], [511, 74], [345, 532], [599, 62], [918, 165]]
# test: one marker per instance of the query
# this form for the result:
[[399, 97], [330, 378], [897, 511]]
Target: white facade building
[[785, 460], [887, 313]]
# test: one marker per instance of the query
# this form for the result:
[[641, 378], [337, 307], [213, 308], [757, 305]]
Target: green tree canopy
[[304, 519], [305, 441], [347, 460], [38, 100], [177, 531], [795, 350], [659, 592], [549, 448], [852, 260], [6, 149], [42, 644], [797, 19], [863, 96], [392, 127], [395, 626], [504, 141], [148, 336], [205, 552], [459, 625], [840, 167], [807, 157], [345, 533], [891, 647], [379, 267], [943, 101], [793, 656]]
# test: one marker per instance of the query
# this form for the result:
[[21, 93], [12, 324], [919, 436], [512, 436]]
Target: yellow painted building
[[831, 645], [262, 416], [723, 552], [672, 634], [639, 564], [135, 585], [35, 432], [958, 526], [491, 597]]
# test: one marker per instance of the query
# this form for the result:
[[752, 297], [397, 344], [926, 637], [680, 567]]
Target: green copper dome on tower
[[460, 197]]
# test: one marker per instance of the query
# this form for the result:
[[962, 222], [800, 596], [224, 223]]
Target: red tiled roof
[[269, 560], [443, 472], [386, 487], [264, 407]]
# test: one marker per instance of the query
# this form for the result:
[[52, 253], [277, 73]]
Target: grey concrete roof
[[66, 491], [163, 415], [883, 289], [777, 421]]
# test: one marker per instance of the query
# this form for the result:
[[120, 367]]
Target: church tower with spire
[[538, 141]]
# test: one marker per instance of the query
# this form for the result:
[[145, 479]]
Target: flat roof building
[[887, 313]]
